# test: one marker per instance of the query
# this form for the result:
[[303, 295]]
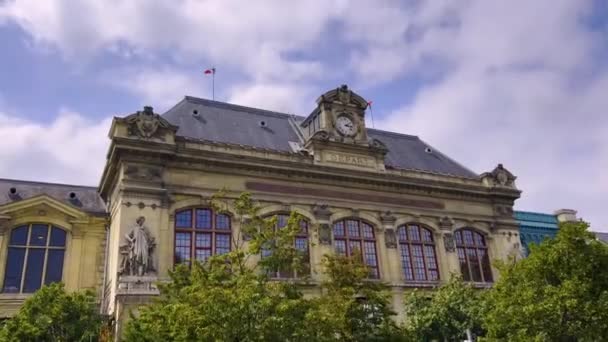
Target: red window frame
[[473, 256], [282, 219], [199, 234], [418, 253], [352, 231]]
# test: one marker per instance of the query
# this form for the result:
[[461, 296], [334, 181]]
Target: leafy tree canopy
[[443, 314], [558, 293], [52, 314]]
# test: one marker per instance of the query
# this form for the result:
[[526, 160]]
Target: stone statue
[[137, 253]]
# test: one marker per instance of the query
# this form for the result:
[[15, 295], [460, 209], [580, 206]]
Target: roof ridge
[[390, 133], [236, 106], [46, 183]]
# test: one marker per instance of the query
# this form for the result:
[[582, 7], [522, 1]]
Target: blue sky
[[523, 83]]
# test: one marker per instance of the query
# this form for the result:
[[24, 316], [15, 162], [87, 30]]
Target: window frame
[[361, 238], [483, 263], [277, 274], [425, 259], [193, 231], [28, 247]]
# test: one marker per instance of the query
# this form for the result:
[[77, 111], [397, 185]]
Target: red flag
[[369, 103], [210, 71]]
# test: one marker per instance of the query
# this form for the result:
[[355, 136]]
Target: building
[[536, 227], [416, 214]]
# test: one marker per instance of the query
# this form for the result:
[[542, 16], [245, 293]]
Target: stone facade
[[327, 167]]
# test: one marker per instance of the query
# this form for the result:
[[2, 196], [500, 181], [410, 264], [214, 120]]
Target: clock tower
[[335, 132]]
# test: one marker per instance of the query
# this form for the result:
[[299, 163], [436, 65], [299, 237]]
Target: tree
[[52, 314], [443, 314], [558, 293], [231, 298]]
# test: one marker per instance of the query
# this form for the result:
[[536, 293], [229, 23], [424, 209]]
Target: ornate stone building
[[415, 214]]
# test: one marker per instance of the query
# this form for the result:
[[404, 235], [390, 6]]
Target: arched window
[[354, 236], [35, 257], [418, 257], [300, 243], [201, 233], [473, 256]]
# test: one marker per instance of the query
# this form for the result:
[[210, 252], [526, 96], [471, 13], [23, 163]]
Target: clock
[[346, 126]]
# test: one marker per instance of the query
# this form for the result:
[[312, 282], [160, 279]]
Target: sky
[[519, 82]]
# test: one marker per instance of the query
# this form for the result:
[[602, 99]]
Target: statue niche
[[138, 250]]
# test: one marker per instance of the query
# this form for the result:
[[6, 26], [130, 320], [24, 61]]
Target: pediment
[[45, 203]]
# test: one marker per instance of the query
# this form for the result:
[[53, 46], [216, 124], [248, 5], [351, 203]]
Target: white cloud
[[69, 149], [515, 94]]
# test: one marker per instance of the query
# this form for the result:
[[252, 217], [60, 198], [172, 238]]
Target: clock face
[[346, 126]]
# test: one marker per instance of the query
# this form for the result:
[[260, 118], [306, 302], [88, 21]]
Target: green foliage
[[51, 314], [558, 293], [445, 313], [228, 298]]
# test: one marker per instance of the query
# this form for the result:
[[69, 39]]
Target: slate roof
[[227, 123], [86, 198]]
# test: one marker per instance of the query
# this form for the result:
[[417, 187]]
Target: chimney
[[566, 215]]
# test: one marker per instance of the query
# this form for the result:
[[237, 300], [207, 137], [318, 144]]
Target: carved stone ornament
[[446, 223], [138, 250], [500, 176], [143, 172], [321, 211], [378, 146], [324, 234], [387, 218], [321, 135], [448, 242], [390, 238], [146, 124], [344, 94]]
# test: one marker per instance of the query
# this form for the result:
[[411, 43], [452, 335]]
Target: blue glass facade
[[535, 227]]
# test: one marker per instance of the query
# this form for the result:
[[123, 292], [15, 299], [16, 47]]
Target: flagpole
[[213, 84], [371, 113]]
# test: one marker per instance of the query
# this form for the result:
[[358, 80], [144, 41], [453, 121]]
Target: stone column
[[323, 243], [446, 249], [388, 247], [566, 215]]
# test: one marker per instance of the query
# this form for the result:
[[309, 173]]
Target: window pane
[[467, 237], [19, 236], [474, 262], [418, 262], [464, 268], [427, 236], [339, 229], [39, 234], [458, 237], [303, 227], [406, 262], [340, 246], [354, 248], [54, 266], [402, 233], [282, 220], [33, 270], [222, 243], [479, 241], [203, 219], [183, 219], [14, 267], [414, 233], [202, 255], [57, 237], [222, 222], [352, 228], [203, 240], [368, 231], [370, 253], [485, 264], [182, 247], [302, 244], [431, 262]]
